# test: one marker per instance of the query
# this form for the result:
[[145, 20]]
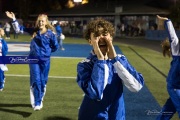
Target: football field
[[64, 97]]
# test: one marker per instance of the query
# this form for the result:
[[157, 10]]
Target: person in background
[[102, 75], [171, 47], [21, 27], [59, 34], [15, 34], [3, 52], [43, 43], [7, 29]]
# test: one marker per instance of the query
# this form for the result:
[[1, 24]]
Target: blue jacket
[[42, 44], [4, 47], [58, 30], [173, 78], [102, 82]]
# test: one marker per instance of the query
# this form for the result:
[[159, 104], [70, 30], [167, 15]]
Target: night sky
[[39, 6], [14, 4]]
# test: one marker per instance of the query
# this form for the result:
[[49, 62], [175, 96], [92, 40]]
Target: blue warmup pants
[[38, 80], [60, 41], [171, 106], [1, 79]]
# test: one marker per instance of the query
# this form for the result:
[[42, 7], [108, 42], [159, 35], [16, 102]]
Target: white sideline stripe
[[18, 47], [48, 76], [69, 57], [52, 56]]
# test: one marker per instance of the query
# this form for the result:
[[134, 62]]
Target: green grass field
[[63, 95], [62, 99]]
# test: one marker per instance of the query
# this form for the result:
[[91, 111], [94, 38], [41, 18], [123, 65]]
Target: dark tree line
[[175, 12], [23, 8]]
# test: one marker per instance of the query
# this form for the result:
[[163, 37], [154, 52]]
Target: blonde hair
[[48, 25]]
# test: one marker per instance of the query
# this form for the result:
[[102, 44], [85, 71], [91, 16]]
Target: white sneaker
[[33, 105], [1, 89], [38, 107], [62, 49]]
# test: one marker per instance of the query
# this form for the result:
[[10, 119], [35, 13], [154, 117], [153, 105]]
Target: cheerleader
[[43, 43], [103, 74], [3, 52], [171, 47]]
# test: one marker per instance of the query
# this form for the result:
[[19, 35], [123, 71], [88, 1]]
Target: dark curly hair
[[95, 26], [166, 48]]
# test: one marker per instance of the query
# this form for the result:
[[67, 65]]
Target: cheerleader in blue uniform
[[3, 52], [103, 74], [173, 80], [43, 43], [59, 34]]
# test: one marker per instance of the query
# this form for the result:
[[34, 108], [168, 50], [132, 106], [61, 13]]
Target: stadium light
[[77, 1]]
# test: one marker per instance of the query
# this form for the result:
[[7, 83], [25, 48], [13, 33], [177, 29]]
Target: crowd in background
[[131, 26], [8, 29], [76, 28]]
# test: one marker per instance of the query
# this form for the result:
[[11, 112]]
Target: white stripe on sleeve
[[16, 26], [106, 75], [129, 81]]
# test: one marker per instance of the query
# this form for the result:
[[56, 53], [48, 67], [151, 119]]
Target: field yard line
[[149, 63], [70, 57], [49, 76], [59, 57]]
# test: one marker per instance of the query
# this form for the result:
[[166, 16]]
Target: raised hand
[[10, 15], [161, 18]]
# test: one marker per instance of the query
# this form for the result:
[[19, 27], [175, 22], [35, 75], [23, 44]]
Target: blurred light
[[77, 0], [85, 1], [70, 4]]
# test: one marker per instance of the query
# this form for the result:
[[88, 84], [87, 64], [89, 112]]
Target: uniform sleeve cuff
[[14, 19], [114, 60]]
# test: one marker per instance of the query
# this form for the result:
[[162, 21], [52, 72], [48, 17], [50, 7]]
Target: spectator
[[7, 29], [60, 35]]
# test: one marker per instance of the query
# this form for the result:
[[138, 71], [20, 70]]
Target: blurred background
[[131, 18]]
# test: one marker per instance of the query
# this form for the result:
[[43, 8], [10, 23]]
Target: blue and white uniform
[[173, 80], [102, 82], [42, 45], [3, 52], [59, 32]]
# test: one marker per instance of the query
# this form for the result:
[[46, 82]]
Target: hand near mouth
[[111, 53], [108, 40], [94, 42]]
